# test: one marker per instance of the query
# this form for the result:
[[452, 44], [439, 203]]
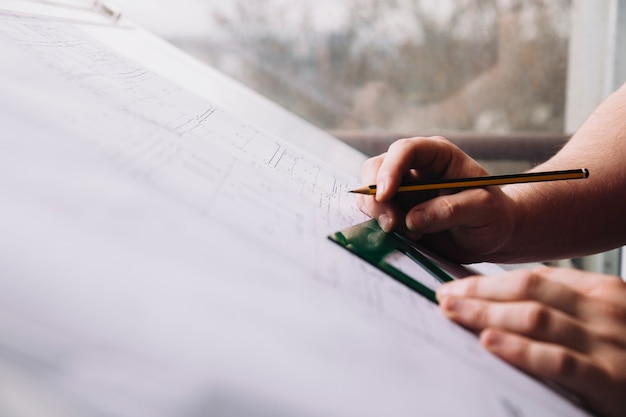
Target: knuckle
[[371, 164], [522, 353], [482, 315], [471, 286], [447, 208], [616, 313], [543, 269], [612, 338], [608, 287], [610, 299], [563, 365], [402, 143], [439, 138], [536, 319], [527, 283]]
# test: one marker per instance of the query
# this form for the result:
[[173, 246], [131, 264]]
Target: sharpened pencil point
[[367, 190]]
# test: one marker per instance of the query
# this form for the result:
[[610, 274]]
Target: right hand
[[466, 226]]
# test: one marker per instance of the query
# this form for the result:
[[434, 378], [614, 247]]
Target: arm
[[517, 223], [576, 218]]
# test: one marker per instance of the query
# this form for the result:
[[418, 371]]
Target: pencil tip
[[362, 190]]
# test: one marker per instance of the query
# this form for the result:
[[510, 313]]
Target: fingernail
[[384, 220], [452, 307], [451, 304], [450, 288], [491, 339]]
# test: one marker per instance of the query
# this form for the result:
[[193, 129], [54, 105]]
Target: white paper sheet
[[158, 257]]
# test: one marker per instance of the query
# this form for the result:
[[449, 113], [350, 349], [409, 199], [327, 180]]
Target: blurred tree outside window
[[410, 66]]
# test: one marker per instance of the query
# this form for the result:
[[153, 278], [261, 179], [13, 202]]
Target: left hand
[[564, 325]]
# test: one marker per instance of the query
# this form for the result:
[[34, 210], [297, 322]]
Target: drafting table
[[164, 253]]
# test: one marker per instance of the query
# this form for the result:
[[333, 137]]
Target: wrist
[[516, 227]]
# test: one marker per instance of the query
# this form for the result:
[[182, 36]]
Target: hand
[[465, 226], [563, 325]]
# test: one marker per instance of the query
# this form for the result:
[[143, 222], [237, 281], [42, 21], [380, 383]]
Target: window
[[404, 66]]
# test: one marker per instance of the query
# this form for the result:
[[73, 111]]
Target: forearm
[[573, 218]]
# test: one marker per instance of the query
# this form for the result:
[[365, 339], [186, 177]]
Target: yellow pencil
[[570, 174]]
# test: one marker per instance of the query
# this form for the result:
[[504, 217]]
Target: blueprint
[[160, 257]]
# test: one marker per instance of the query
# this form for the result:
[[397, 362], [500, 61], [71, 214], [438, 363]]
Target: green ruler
[[369, 242]]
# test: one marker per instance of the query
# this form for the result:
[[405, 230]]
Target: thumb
[[476, 208]]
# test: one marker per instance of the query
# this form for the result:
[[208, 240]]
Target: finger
[[519, 286], [530, 319], [370, 168], [609, 288], [390, 214], [433, 157], [387, 214], [603, 299], [570, 369], [405, 155]]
